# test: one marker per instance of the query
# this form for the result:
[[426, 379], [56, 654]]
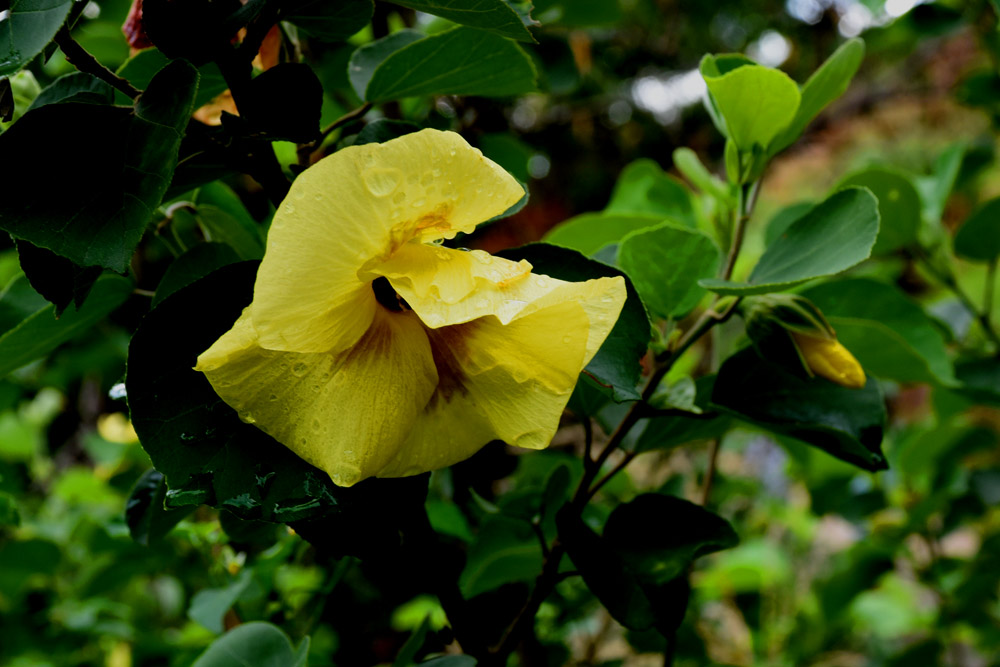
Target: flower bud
[[773, 319]]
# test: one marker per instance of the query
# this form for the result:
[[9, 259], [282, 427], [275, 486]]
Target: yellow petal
[[347, 413], [356, 208], [447, 287], [827, 358], [497, 382]]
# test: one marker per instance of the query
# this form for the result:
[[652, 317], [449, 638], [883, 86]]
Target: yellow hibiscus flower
[[370, 351]]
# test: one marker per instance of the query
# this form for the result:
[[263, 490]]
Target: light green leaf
[[784, 219], [890, 335], [687, 162], [256, 643], [835, 235], [242, 235], [28, 28], [755, 102], [643, 188], [497, 16], [978, 238], [589, 232], [825, 85], [936, 188], [462, 61], [665, 264], [209, 606], [898, 206], [41, 332]]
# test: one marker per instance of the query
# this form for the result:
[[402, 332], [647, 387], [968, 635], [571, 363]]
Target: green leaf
[[936, 188], [451, 661], [10, 517], [22, 560], [462, 61], [665, 264], [825, 85], [199, 443], [366, 59], [671, 431], [784, 219], [148, 520], [756, 103], [643, 188], [890, 335], [847, 423], [978, 239], [835, 235], [328, 21], [980, 379], [632, 600], [29, 27], [140, 69], [111, 177], [498, 16], [408, 654], [75, 87], [898, 206], [40, 332], [688, 163], [589, 232], [505, 551], [196, 263], [256, 643], [209, 606], [615, 367], [659, 536], [56, 278]]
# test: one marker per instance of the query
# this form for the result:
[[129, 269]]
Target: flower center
[[387, 296]]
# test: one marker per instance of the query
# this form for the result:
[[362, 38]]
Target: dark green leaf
[[10, 517], [114, 168], [20, 560], [590, 232], [980, 379], [199, 443], [140, 69], [41, 332], [29, 27], [825, 85], [451, 661], [407, 655], [462, 61], [56, 278], [847, 423], [148, 520], [505, 551], [284, 103], [329, 21], [890, 335], [658, 536], [75, 87], [667, 432], [366, 59], [898, 206], [196, 31], [196, 263], [834, 236], [616, 366], [643, 188], [665, 264], [497, 16], [978, 238], [256, 643]]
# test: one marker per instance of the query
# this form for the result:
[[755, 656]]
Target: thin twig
[[85, 62], [713, 456], [588, 439], [305, 151], [949, 282], [991, 278]]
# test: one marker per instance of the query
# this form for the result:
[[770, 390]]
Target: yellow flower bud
[[827, 358]]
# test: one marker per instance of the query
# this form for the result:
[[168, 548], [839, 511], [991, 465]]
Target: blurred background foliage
[[836, 566]]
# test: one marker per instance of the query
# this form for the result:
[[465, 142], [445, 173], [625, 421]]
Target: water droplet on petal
[[443, 255], [289, 208], [299, 369], [417, 203], [567, 338], [318, 197], [483, 304], [272, 397], [399, 198], [381, 181], [316, 425], [481, 256], [246, 416], [299, 194]]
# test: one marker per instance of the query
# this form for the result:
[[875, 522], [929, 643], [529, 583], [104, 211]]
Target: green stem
[[85, 62]]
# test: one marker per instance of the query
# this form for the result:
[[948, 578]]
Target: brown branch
[[87, 63], [305, 151]]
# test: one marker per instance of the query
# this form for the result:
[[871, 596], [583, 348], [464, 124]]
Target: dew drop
[[318, 197], [272, 397], [443, 255], [381, 181], [494, 276], [316, 425], [481, 256], [399, 198], [417, 203], [299, 194], [299, 369], [542, 281], [289, 208], [436, 173], [567, 338], [246, 416]]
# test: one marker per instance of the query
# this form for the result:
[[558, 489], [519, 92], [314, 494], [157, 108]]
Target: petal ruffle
[[347, 413], [446, 287], [356, 208], [497, 382]]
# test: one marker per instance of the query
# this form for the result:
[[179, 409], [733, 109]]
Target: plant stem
[[949, 282], [988, 288], [305, 151], [87, 63], [713, 456]]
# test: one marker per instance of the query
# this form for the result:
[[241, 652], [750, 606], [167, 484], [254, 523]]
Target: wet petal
[[497, 382], [356, 208], [347, 413], [447, 287]]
